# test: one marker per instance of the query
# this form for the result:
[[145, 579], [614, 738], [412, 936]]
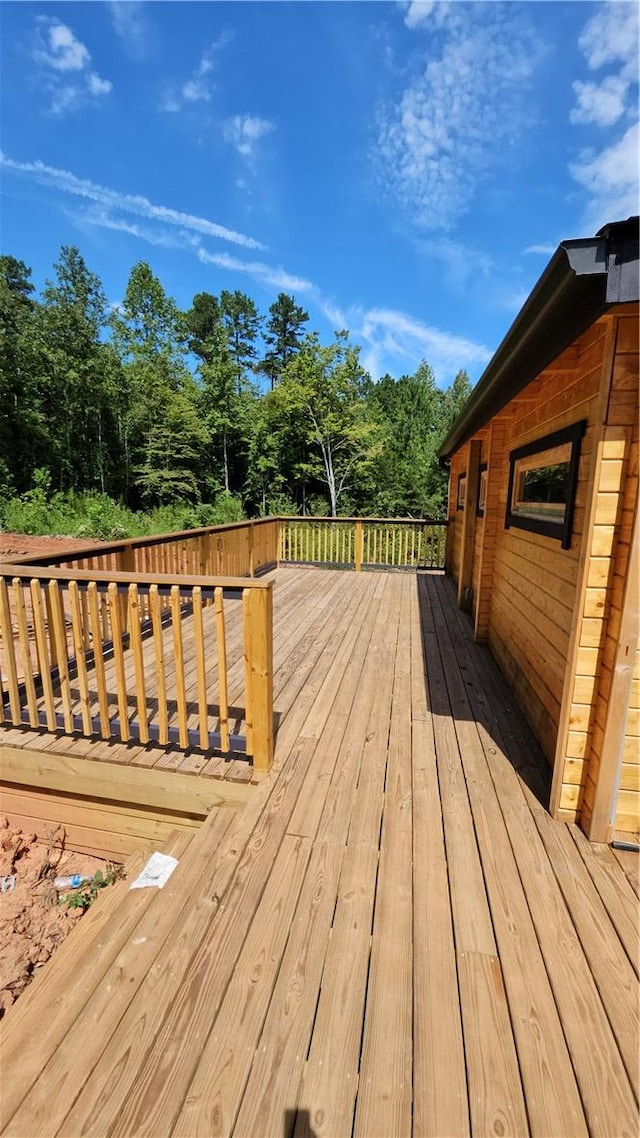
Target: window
[[542, 484], [462, 490], [482, 490]]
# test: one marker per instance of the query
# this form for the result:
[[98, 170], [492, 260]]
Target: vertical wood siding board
[[598, 434]]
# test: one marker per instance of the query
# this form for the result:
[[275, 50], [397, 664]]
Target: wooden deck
[[391, 938]]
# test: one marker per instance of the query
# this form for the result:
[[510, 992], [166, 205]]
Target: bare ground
[[33, 921], [22, 544]]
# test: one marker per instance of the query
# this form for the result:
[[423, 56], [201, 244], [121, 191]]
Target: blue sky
[[405, 169]]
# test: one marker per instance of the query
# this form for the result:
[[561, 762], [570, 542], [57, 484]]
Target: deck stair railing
[[363, 543], [75, 657]]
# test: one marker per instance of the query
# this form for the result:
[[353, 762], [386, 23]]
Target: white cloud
[[609, 174], [611, 178], [59, 54], [199, 87], [464, 108], [245, 131], [463, 264], [66, 182], [542, 250], [98, 86], [59, 47], [189, 242], [129, 22], [602, 104], [388, 333], [266, 274], [611, 36]]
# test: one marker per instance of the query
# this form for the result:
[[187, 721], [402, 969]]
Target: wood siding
[[534, 580], [552, 616], [615, 493]]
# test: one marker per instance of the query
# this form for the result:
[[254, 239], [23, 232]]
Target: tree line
[[149, 405]]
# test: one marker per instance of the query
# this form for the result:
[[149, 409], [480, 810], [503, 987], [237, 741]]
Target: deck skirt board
[[392, 937]]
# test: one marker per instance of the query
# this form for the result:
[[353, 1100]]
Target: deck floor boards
[[391, 938]]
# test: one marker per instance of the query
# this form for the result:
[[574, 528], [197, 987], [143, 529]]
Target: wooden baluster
[[201, 674], [115, 608], [158, 646], [6, 628], [222, 671], [84, 611], [49, 628], [58, 631], [44, 664], [258, 629], [80, 656], [23, 640], [138, 663], [181, 695], [97, 628]]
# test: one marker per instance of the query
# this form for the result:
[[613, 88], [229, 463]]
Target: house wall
[[551, 615], [534, 580], [615, 496]]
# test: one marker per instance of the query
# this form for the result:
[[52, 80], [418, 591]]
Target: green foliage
[[95, 515], [148, 416], [283, 336], [83, 897]]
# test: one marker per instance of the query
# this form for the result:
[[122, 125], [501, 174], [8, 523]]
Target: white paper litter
[[156, 872]]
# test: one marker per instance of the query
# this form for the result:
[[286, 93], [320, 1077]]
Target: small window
[[482, 490], [542, 484], [462, 490]]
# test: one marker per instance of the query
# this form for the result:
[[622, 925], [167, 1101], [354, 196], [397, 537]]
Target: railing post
[[252, 566], [359, 546], [258, 664]]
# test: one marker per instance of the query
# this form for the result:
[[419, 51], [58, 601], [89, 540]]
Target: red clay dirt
[[32, 920], [22, 544]]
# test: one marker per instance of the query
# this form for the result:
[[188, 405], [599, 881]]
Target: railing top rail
[[51, 573], [136, 542], [379, 521]]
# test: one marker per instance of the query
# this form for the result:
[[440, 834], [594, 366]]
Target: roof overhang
[[583, 279]]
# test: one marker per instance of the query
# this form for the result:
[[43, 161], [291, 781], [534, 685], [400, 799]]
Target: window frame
[[559, 529], [462, 478], [482, 470]]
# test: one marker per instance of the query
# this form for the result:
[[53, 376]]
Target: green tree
[[73, 366], [324, 389], [151, 335], [241, 321], [171, 451], [410, 411], [201, 321], [284, 335], [23, 433]]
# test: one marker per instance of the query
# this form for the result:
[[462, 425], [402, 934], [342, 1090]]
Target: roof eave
[[569, 296]]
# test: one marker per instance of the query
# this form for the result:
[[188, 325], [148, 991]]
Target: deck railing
[[239, 549], [169, 638], [139, 657], [374, 543]]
